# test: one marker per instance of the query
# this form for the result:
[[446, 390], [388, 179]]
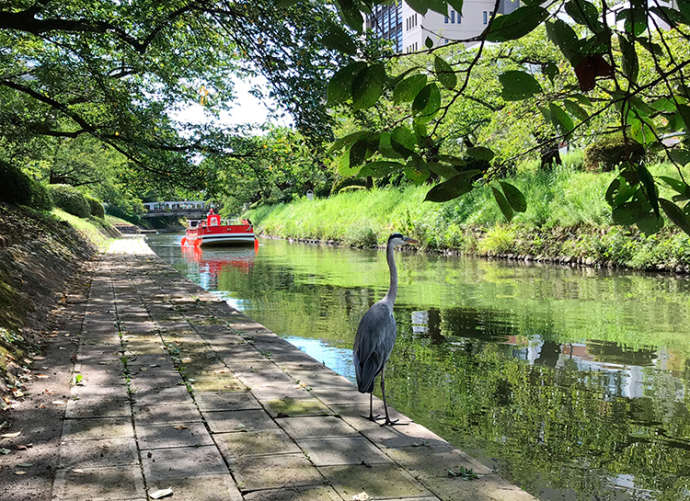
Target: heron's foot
[[393, 422]]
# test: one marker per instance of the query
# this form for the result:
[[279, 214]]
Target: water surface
[[572, 383]]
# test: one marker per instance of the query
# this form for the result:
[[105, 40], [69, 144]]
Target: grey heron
[[376, 333]]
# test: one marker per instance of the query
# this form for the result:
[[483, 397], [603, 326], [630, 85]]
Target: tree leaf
[[503, 204], [407, 89], [675, 214], [416, 170], [386, 147], [516, 24], [420, 6], [550, 70], [344, 169], [351, 15], [684, 111], [440, 6], [676, 184], [349, 140], [445, 73], [429, 43], [514, 196], [403, 140], [340, 85], [561, 34], [576, 109], [583, 12], [456, 4], [518, 85], [338, 39], [628, 213], [630, 65], [427, 102], [442, 170], [380, 168], [480, 153], [680, 156], [649, 187], [560, 119], [358, 152], [367, 86], [453, 188]]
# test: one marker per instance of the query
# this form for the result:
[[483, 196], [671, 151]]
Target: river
[[572, 383]]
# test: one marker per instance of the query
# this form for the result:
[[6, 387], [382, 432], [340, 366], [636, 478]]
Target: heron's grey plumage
[[373, 344], [376, 333]]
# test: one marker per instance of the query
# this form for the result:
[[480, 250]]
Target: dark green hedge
[[606, 153], [95, 207], [40, 197], [70, 199], [15, 186]]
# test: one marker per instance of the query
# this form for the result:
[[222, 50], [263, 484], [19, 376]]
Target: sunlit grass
[[97, 231], [567, 215]]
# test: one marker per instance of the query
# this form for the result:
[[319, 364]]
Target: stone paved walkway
[[175, 389]]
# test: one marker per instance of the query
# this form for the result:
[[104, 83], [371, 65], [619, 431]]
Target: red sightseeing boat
[[211, 231]]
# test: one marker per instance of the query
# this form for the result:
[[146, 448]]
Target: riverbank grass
[[100, 233], [567, 219]]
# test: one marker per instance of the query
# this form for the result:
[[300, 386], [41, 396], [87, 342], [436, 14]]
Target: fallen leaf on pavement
[[362, 496], [180, 427], [11, 435], [161, 493], [25, 465], [5, 452]]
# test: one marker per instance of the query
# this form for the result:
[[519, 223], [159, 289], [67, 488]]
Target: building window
[[452, 17], [486, 17], [446, 20]]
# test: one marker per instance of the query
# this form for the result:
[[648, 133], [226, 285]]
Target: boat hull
[[216, 235], [226, 239]]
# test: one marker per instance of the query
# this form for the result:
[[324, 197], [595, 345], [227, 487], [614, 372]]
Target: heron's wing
[[373, 344]]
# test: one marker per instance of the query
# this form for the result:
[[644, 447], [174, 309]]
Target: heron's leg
[[385, 406], [371, 416]]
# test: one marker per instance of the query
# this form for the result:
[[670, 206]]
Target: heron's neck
[[389, 298]]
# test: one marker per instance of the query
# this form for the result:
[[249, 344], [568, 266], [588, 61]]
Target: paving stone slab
[[92, 391], [342, 451], [165, 413], [378, 481], [98, 407], [96, 429], [182, 462], [295, 494], [225, 400], [289, 407], [409, 435], [220, 488], [183, 434], [107, 484], [488, 488], [254, 443], [434, 462], [155, 381], [316, 427], [267, 472], [354, 415], [249, 420], [268, 392], [177, 394], [217, 383], [346, 395], [108, 452]]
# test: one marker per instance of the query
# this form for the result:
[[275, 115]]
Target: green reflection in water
[[570, 382]]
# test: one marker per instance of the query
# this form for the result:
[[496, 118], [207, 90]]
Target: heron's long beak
[[410, 240]]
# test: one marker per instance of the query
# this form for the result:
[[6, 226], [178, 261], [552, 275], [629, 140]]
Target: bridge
[[191, 209]]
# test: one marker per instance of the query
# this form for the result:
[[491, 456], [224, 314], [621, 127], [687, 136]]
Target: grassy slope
[[567, 216], [39, 254]]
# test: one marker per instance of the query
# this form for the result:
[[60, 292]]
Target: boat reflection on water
[[211, 262]]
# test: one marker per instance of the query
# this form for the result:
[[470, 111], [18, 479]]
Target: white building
[[408, 30]]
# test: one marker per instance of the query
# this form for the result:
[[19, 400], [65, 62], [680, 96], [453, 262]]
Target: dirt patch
[[44, 279]]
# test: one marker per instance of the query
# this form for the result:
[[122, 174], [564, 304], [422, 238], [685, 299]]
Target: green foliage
[[607, 152], [70, 199], [569, 216], [15, 186], [40, 197], [95, 207]]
